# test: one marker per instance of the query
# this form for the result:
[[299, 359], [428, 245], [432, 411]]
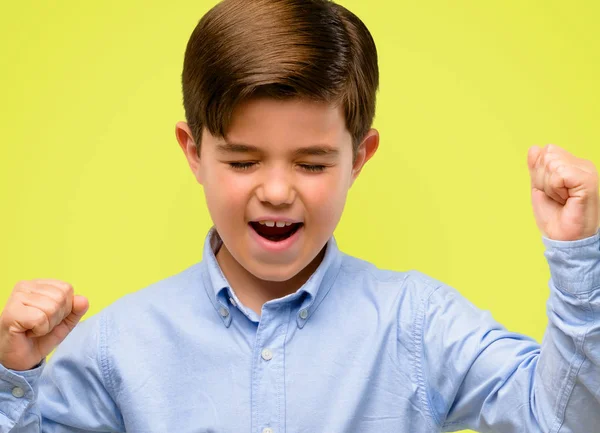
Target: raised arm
[[68, 394], [494, 380]]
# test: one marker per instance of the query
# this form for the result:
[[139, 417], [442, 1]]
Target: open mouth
[[275, 233]]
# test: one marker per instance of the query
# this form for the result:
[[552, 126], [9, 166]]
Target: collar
[[316, 287]]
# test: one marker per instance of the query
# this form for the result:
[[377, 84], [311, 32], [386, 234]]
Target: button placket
[[268, 393], [266, 354]]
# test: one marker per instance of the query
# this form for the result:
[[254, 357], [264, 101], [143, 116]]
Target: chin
[[274, 273]]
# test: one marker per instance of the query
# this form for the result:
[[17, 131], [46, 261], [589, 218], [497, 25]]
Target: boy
[[276, 330]]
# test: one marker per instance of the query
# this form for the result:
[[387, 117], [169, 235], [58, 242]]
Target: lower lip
[[273, 246]]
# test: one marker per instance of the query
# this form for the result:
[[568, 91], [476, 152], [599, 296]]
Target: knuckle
[[553, 164], [63, 298], [21, 284], [64, 285], [54, 307], [19, 296], [548, 158], [52, 282], [40, 318]]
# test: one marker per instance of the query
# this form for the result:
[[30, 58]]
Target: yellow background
[[95, 191]]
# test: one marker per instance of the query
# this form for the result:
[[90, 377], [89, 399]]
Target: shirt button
[[223, 312], [303, 314], [267, 355], [18, 392], [267, 430]]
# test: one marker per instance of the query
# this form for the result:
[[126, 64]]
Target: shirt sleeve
[[66, 395], [477, 375], [18, 392]]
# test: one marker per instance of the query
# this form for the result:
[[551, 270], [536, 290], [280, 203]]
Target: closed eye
[[241, 165], [245, 165], [312, 167]]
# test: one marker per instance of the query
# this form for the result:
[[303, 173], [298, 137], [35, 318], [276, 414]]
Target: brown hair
[[313, 49]]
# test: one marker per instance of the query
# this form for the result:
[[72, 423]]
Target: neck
[[254, 292]]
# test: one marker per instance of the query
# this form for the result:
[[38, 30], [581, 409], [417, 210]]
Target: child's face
[[282, 161]]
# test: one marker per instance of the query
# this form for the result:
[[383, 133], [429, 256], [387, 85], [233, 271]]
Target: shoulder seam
[[395, 276], [418, 330], [104, 362]]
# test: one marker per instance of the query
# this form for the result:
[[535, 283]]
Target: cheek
[[225, 192], [326, 196]]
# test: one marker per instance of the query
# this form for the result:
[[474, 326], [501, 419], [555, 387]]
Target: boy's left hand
[[564, 193]]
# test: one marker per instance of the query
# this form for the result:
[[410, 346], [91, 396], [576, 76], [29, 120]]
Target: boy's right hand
[[38, 316]]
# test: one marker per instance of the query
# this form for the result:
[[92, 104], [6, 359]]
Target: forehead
[[290, 123]]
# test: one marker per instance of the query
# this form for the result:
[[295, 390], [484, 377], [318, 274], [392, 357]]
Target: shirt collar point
[[300, 322]]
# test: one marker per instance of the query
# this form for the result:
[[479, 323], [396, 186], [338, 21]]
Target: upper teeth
[[273, 223]]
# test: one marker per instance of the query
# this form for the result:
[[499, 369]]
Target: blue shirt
[[356, 349]]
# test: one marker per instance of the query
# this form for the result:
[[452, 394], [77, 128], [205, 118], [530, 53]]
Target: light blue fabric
[[356, 349]]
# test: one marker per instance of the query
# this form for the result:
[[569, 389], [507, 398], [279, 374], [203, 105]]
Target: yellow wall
[[95, 191]]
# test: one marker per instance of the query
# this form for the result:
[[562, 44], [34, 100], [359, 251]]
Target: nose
[[276, 187]]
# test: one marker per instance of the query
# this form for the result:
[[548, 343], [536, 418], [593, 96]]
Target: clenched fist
[[37, 317], [564, 193]]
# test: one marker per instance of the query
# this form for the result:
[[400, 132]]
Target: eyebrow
[[236, 148], [316, 150]]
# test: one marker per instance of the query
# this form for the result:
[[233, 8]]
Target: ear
[[188, 145], [365, 151]]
